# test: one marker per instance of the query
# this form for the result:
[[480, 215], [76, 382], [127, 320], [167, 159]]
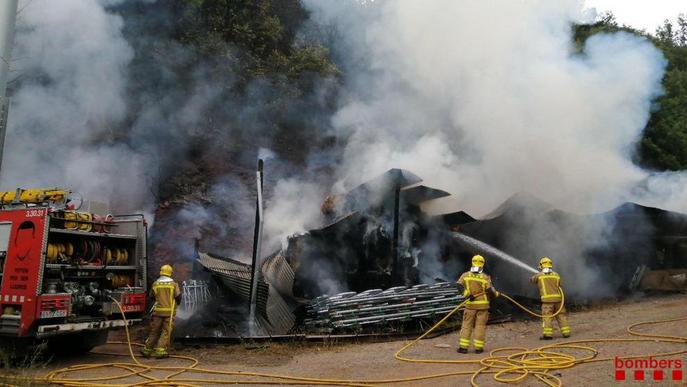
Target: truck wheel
[[77, 343]]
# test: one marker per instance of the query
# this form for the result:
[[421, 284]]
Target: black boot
[[462, 350], [479, 350], [546, 338]]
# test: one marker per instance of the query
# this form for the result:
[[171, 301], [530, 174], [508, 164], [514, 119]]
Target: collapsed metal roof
[[419, 194]]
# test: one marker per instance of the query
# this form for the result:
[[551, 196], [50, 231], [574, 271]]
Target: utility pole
[[8, 16]]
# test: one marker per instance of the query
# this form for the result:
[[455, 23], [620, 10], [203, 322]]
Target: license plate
[[53, 313]]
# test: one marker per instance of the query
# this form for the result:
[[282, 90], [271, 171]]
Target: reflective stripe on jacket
[[475, 284], [165, 290], [549, 286]]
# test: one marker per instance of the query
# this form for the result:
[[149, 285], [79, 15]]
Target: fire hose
[[514, 365]]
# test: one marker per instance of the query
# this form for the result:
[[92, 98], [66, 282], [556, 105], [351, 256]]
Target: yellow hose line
[[635, 333], [560, 308], [398, 353], [506, 364]]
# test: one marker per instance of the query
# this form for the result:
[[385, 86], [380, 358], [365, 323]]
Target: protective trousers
[[477, 320], [160, 334], [548, 309]]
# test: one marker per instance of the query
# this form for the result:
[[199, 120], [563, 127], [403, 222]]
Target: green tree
[[665, 32], [257, 37], [681, 32]]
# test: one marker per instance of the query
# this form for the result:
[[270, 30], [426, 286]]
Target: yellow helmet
[[545, 262], [166, 270], [478, 261]]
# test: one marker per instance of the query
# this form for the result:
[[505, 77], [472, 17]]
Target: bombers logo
[[648, 369]]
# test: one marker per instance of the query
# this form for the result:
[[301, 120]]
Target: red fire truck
[[61, 270]]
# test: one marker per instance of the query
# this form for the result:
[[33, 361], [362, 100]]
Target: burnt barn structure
[[382, 260]]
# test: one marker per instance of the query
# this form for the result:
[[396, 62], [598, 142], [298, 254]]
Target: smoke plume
[[485, 99], [70, 78], [106, 102], [488, 98]]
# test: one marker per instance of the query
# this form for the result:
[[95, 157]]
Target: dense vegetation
[[210, 84], [213, 81]]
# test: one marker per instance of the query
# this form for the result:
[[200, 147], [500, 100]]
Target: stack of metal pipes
[[378, 307]]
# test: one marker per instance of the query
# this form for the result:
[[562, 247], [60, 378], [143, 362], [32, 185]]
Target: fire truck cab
[[62, 269]]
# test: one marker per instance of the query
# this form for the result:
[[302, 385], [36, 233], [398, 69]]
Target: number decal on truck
[[132, 308], [34, 213]]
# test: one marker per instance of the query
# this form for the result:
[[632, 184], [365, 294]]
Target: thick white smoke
[[295, 208], [71, 63], [489, 98], [485, 99]]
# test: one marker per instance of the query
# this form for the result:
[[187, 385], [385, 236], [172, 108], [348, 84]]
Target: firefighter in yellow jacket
[[167, 296], [476, 284], [549, 283]]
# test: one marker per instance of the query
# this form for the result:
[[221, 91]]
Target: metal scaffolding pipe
[[395, 267], [257, 242]]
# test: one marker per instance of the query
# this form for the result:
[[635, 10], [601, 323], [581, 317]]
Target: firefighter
[[167, 296], [549, 283], [476, 284]]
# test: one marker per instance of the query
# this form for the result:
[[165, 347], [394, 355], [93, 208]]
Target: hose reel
[[86, 252]]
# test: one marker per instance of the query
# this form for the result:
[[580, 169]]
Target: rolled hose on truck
[[506, 364], [86, 252]]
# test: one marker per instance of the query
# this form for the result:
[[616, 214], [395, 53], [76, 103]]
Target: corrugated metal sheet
[[275, 314], [277, 271]]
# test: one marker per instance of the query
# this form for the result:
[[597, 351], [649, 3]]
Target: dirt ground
[[367, 360]]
